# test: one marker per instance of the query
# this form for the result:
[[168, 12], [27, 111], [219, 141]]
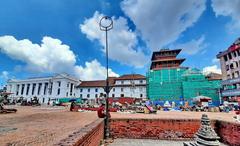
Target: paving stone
[[147, 142]]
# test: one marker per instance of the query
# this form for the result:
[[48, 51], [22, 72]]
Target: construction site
[[168, 81]]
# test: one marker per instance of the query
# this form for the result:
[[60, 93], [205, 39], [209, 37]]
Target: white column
[[14, 86], [30, 90], [54, 89], [20, 90], [37, 86], [73, 91], [25, 90], [42, 89], [48, 91], [35, 90], [68, 88], [16, 90], [41, 96]]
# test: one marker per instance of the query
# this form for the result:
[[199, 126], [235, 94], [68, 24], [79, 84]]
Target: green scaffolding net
[[173, 84]]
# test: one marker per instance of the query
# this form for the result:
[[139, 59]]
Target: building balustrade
[[232, 92], [231, 81]]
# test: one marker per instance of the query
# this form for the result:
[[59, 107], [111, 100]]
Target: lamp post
[[106, 24]]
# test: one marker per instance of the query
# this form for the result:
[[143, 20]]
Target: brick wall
[[154, 128], [171, 129], [229, 132], [90, 135]]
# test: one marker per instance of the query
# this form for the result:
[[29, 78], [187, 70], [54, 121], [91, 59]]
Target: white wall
[[64, 89], [92, 93], [128, 82], [128, 91]]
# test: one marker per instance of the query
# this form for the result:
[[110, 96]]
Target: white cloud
[[161, 22], [4, 75], [93, 70], [192, 47], [122, 40], [211, 69], [228, 8], [215, 60], [44, 57], [51, 56]]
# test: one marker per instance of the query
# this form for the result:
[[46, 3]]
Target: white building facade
[[44, 88], [230, 67], [132, 85]]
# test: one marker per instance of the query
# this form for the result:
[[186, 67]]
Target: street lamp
[[106, 24]]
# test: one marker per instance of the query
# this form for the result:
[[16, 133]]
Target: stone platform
[[147, 142]]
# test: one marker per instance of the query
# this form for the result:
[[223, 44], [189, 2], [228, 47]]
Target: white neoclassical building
[[44, 88], [130, 85]]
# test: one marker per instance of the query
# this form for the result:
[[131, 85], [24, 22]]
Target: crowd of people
[[152, 108]]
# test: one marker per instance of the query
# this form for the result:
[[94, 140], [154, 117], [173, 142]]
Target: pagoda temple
[[169, 81], [166, 58]]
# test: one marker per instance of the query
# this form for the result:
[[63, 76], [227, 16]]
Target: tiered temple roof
[[166, 58]]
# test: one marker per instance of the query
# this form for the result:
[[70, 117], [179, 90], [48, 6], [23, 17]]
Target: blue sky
[[39, 38]]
